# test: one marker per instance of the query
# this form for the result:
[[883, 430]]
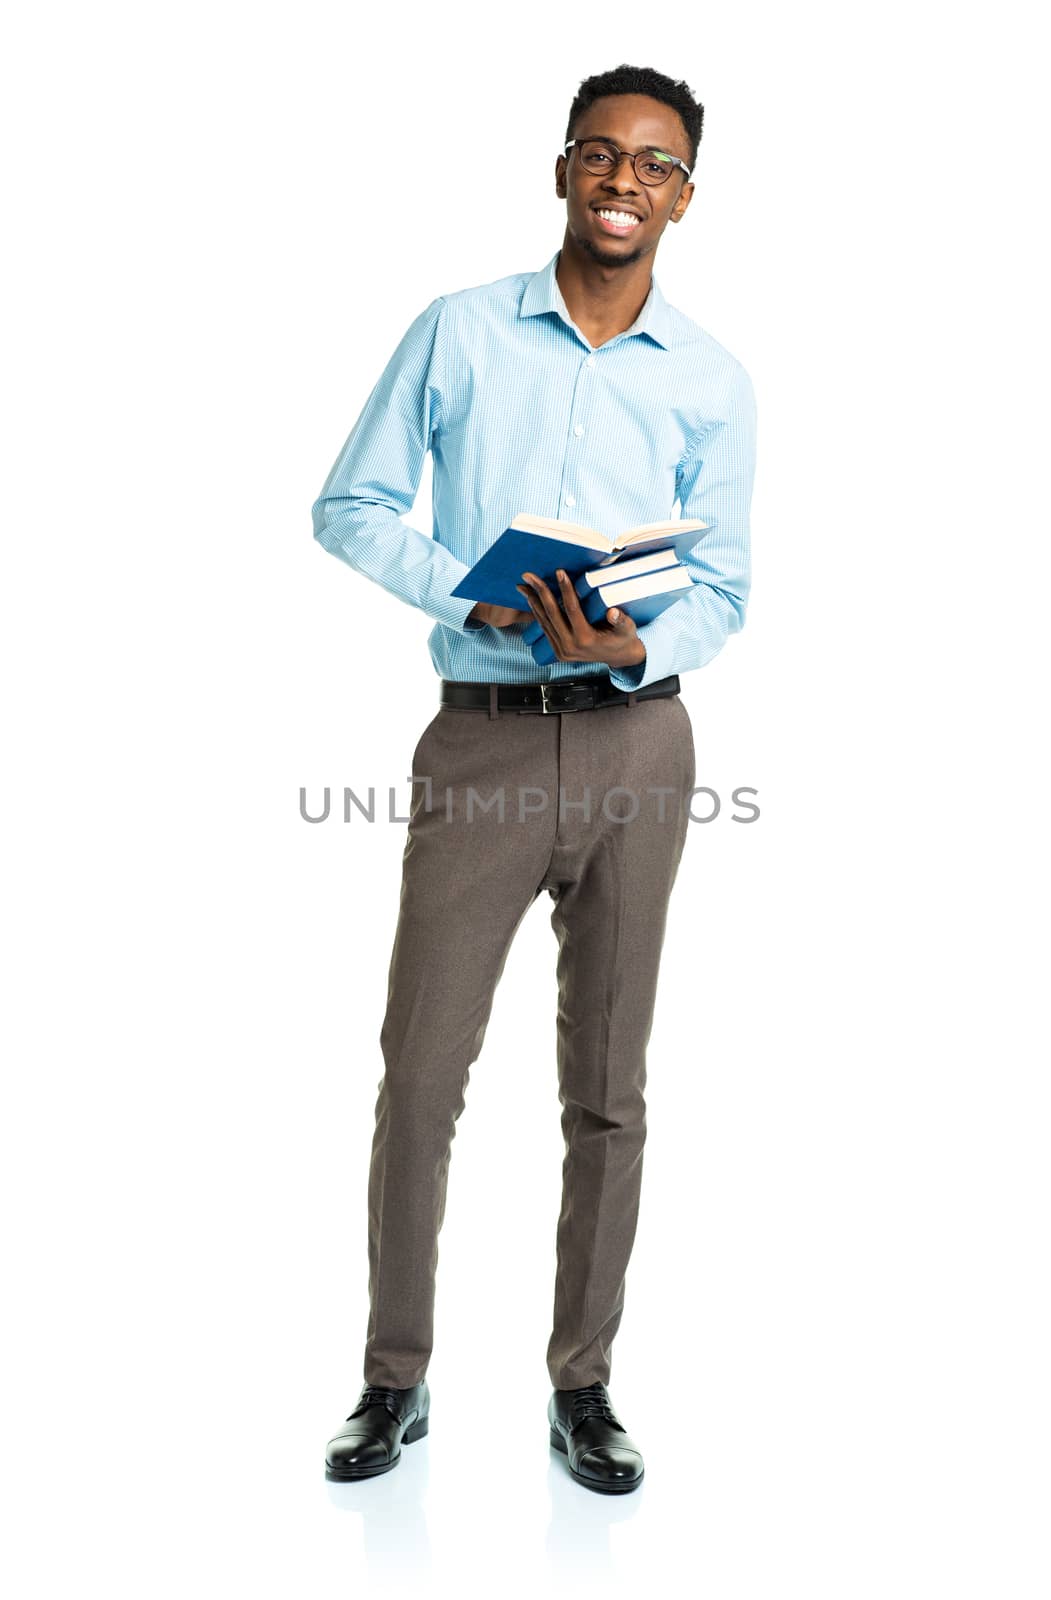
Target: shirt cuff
[[455, 613], [656, 663]]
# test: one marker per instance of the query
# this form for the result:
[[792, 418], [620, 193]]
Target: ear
[[560, 176], [678, 210]]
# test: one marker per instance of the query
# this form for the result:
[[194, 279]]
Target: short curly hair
[[642, 80]]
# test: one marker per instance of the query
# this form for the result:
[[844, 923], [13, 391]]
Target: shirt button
[[570, 500], [578, 430], [590, 362]]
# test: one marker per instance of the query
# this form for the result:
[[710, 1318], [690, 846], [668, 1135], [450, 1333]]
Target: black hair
[[642, 80]]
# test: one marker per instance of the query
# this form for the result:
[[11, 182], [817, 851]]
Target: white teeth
[[621, 218]]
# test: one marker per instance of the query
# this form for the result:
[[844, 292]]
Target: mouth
[[611, 219]]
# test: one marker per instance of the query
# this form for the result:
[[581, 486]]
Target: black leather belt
[[565, 694]]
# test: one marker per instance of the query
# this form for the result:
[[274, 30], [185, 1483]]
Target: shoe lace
[[376, 1395], [593, 1402]]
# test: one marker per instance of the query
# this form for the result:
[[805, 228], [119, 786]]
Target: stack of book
[[640, 571]]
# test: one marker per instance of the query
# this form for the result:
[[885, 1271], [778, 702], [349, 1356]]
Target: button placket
[[572, 462]]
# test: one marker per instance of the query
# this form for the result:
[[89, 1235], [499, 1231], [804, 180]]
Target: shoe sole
[[594, 1483], [411, 1434]]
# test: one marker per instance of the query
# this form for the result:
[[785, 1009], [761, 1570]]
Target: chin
[[608, 258]]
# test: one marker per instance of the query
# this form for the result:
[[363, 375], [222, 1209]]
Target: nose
[[614, 179]]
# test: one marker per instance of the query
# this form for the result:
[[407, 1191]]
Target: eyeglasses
[[602, 155]]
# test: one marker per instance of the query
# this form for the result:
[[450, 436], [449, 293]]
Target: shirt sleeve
[[358, 515], [714, 482]]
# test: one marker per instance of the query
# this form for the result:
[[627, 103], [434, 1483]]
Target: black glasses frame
[[649, 182]]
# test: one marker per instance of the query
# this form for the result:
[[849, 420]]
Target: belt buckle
[[569, 687]]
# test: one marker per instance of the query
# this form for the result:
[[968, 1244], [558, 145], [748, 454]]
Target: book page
[[571, 532], [648, 530]]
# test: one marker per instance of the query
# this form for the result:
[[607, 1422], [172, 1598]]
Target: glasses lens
[[596, 156], [654, 166], [651, 166]]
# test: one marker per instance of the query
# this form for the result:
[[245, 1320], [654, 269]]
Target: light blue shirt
[[521, 413]]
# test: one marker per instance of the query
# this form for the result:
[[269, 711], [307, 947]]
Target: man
[[575, 392]]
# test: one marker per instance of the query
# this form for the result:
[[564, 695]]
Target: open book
[[543, 544]]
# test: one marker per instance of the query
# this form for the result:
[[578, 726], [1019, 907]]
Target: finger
[[535, 611], [552, 631], [582, 633], [540, 592], [621, 620], [548, 609], [571, 601]]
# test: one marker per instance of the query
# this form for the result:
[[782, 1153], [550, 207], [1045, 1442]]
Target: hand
[[615, 642], [498, 616]]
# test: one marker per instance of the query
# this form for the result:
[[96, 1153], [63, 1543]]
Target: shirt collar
[[542, 293]]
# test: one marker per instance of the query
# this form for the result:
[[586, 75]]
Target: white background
[[833, 1352]]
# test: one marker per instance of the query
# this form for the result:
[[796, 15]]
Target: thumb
[[619, 619]]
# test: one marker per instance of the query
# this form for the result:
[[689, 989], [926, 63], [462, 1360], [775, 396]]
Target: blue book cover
[[543, 544]]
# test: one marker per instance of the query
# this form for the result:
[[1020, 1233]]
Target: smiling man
[[577, 392]]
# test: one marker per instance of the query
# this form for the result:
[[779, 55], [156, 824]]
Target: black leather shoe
[[370, 1440], [584, 1428]]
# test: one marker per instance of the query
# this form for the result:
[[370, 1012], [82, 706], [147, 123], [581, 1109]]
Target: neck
[[601, 296]]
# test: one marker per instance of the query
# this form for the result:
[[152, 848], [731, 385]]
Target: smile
[[617, 221]]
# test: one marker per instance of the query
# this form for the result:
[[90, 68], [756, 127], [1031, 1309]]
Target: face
[[633, 122]]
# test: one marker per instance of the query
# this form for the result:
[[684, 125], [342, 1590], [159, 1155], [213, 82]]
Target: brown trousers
[[468, 881]]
